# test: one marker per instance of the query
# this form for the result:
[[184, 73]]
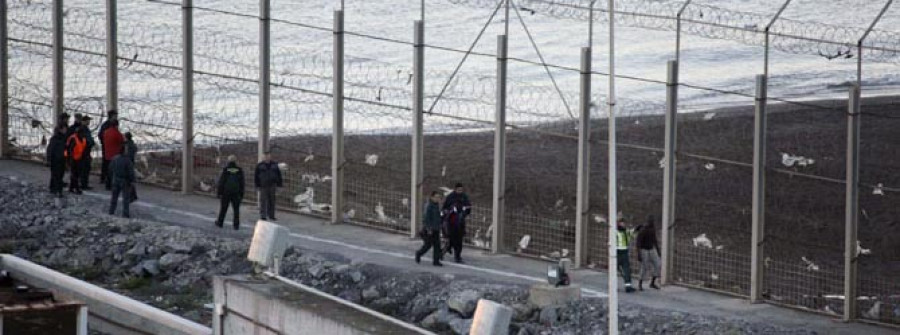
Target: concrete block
[[269, 241], [491, 318], [543, 295]]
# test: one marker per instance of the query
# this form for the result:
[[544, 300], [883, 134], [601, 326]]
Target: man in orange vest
[[76, 149]]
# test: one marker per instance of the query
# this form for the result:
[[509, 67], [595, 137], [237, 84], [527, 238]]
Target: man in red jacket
[[112, 145]]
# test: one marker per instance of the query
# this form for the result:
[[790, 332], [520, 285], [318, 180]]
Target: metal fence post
[[187, 113], [418, 149], [669, 175], [758, 234], [584, 162], [112, 57], [852, 205], [612, 170], [58, 72], [499, 209], [265, 75], [4, 81], [337, 144]]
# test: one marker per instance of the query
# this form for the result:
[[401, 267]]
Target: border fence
[[786, 200]]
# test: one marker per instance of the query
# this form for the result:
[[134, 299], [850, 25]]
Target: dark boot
[[438, 263], [641, 285], [418, 258], [653, 283]]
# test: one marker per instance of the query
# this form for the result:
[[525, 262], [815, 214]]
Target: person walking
[[267, 179], [648, 253], [56, 158], [111, 116], [76, 145], [112, 141], [122, 176], [431, 232], [230, 191], [456, 208], [624, 236], [86, 161]]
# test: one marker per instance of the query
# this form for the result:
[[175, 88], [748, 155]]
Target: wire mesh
[[805, 190], [878, 255]]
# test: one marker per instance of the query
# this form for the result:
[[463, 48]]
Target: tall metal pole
[[4, 81], [768, 28], [583, 205], [499, 208], [613, 199], [265, 75], [337, 141], [418, 149], [112, 57], [678, 31], [758, 234], [590, 42], [187, 112], [852, 205], [506, 19], [58, 71], [669, 177]]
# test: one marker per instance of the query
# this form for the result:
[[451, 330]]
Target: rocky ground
[[171, 268]]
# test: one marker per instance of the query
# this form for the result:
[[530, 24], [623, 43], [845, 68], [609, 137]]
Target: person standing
[[112, 141], [101, 134], [648, 253], [122, 176], [456, 208], [86, 161], [63, 120], [76, 124], [76, 145], [131, 149], [624, 236], [267, 179], [230, 191], [431, 232], [56, 158]]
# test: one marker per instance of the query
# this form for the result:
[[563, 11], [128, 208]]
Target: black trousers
[[74, 175], [267, 202], [85, 171], [123, 188], [624, 265], [456, 235], [432, 240], [235, 202], [104, 172], [57, 172]]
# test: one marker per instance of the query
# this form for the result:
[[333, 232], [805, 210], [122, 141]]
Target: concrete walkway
[[376, 247]]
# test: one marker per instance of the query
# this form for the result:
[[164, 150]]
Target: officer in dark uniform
[[230, 191]]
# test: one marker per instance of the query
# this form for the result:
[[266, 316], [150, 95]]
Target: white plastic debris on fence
[[791, 160], [523, 243], [810, 266], [702, 241], [372, 159]]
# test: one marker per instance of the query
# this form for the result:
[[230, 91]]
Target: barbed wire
[[791, 36]]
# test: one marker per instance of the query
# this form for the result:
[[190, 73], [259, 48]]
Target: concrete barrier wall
[[109, 312], [268, 306]]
